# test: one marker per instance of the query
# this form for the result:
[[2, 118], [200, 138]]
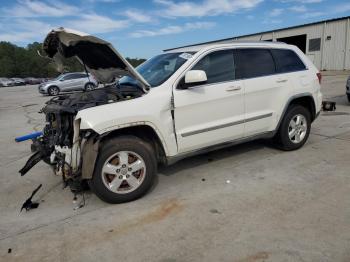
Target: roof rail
[[226, 43]]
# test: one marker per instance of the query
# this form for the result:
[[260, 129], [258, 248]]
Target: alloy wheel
[[297, 129], [123, 172]]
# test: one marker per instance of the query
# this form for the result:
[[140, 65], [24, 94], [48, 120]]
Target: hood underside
[[98, 56]]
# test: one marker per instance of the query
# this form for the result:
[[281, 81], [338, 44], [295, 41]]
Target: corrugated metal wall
[[334, 53]]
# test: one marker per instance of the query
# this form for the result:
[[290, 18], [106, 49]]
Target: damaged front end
[[62, 143], [70, 151]]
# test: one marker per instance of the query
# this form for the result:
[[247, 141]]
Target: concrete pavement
[[247, 203]]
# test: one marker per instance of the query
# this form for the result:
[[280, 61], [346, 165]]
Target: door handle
[[233, 88], [281, 80]]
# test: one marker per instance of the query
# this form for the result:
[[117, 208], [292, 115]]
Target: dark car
[[32, 81], [18, 81]]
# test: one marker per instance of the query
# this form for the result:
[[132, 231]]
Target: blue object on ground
[[29, 136]]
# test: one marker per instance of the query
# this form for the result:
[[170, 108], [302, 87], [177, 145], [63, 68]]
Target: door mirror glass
[[195, 77]]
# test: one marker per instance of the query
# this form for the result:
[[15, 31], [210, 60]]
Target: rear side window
[[68, 77], [287, 61], [253, 62], [81, 75], [218, 66]]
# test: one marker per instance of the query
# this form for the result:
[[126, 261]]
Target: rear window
[[82, 75], [75, 76], [287, 61], [253, 62]]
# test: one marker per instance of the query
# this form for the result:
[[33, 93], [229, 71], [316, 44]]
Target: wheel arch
[[51, 86], [144, 132], [306, 100], [89, 82], [96, 141]]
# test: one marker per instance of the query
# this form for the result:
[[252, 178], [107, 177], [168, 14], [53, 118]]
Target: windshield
[[58, 78], [159, 68]]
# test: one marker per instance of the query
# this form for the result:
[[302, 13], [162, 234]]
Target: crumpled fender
[[89, 154]]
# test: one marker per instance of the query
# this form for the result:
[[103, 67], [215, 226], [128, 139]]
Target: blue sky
[[144, 28]]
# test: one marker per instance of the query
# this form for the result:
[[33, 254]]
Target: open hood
[[98, 56]]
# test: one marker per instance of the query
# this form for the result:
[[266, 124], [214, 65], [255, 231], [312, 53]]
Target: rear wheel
[[53, 90], [294, 129], [89, 87], [125, 170]]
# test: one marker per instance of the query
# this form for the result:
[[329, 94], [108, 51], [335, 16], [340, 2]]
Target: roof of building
[[261, 33]]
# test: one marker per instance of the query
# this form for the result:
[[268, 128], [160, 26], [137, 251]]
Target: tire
[[89, 86], [53, 90], [285, 138], [119, 183], [348, 97]]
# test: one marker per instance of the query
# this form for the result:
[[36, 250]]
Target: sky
[[141, 29]]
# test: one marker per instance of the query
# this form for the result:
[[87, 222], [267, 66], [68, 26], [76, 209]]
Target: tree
[[18, 61], [135, 61]]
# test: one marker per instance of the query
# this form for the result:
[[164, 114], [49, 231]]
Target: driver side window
[[218, 65]]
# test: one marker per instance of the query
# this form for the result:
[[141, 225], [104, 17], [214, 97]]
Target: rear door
[[290, 68], [80, 80], [265, 90], [213, 112], [67, 83]]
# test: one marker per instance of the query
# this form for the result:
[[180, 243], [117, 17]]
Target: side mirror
[[195, 77]]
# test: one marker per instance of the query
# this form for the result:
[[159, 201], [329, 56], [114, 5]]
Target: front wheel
[[89, 87], [124, 171], [53, 90], [294, 129]]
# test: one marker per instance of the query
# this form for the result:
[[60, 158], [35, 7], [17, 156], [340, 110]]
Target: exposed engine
[[60, 144]]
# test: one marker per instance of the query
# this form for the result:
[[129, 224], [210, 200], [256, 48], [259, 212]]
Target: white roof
[[196, 48]]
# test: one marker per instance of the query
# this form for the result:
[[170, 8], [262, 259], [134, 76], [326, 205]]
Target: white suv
[[183, 102]]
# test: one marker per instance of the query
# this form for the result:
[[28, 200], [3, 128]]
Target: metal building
[[326, 43]]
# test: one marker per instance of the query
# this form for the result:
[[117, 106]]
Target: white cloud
[[138, 16], [301, 1], [205, 8], [28, 8], [276, 12], [342, 8], [298, 8], [334, 10], [24, 30], [93, 23], [312, 15], [103, 1], [271, 21], [169, 30]]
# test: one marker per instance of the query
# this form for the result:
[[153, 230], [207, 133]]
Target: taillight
[[319, 76]]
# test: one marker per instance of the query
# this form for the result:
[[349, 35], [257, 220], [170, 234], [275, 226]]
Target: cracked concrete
[[278, 206]]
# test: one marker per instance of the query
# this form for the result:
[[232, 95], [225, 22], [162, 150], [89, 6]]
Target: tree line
[[16, 61]]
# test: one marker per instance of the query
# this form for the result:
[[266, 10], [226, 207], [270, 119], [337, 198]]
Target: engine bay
[[61, 142]]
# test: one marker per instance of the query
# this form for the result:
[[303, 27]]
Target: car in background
[[348, 88], [43, 80], [32, 81], [4, 81], [18, 81], [78, 81]]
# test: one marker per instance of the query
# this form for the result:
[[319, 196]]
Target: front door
[[213, 112]]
